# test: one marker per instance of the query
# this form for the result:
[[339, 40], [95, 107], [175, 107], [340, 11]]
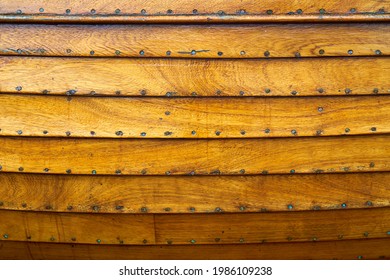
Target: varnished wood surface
[[194, 229], [192, 11], [343, 249], [193, 194], [184, 77], [196, 41], [195, 157], [192, 118]]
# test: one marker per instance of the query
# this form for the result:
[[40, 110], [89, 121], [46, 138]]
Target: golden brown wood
[[179, 77], [194, 228], [187, 194], [195, 157], [193, 118], [191, 10], [196, 41], [272, 227], [347, 249], [77, 228]]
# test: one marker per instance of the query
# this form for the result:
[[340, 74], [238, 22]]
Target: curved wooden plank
[[192, 118], [203, 194], [191, 10], [184, 77], [194, 228], [195, 157], [329, 250], [196, 41]]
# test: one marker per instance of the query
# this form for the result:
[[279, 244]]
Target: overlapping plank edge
[[57, 116], [195, 228], [203, 194], [188, 77], [196, 41], [195, 157], [193, 11], [341, 249]]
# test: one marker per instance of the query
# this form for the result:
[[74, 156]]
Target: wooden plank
[[272, 227], [203, 194], [195, 157], [80, 228], [345, 249], [196, 41], [182, 77], [191, 10], [194, 228], [192, 118]]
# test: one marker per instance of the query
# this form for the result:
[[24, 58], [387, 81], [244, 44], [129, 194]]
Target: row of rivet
[[217, 92], [321, 11], [193, 132]]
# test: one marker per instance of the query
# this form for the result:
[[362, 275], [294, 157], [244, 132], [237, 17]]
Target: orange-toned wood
[[272, 227], [191, 10], [196, 41], [77, 228], [194, 228], [198, 194], [193, 118], [195, 157], [346, 249], [182, 77]]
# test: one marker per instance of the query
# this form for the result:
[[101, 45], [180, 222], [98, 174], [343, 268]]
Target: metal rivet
[[293, 132], [92, 52], [69, 208], [67, 11], [48, 207], [292, 171], [316, 207], [21, 169], [294, 92], [266, 53], [319, 132], [218, 209], [264, 172], [168, 52], [242, 132], [41, 10], [321, 51], [19, 11], [95, 208], [92, 92], [297, 54], [93, 11], [98, 241], [320, 90], [1, 167], [67, 133], [314, 239], [193, 241], [20, 132], [117, 11], [242, 171], [167, 133], [93, 172], [192, 173], [143, 134], [117, 52], [372, 164], [263, 210], [373, 129], [348, 91], [344, 205], [1, 203], [45, 91], [144, 241], [242, 53], [142, 52], [93, 133], [360, 257], [193, 52], [218, 92], [192, 209], [320, 109], [144, 209], [369, 203], [167, 209], [19, 51], [322, 11], [118, 172], [220, 53], [167, 113], [143, 92], [169, 11], [193, 132], [221, 13], [352, 10], [381, 11], [52, 238], [299, 11], [71, 92], [167, 173], [143, 11], [118, 92], [340, 236], [218, 133], [18, 88], [267, 90], [267, 130], [242, 240], [73, 239], [388, 233], [375, 91], [269, 12], [24, 205], [46, 169], [289, 238], [143, 171], [194, 11], [5, 236], [217, 239], [168, 94], [119, 133], [347, 130], [378, 52], [242, 208], [169, 242], [350, 52], [290, 207], [366, 234]]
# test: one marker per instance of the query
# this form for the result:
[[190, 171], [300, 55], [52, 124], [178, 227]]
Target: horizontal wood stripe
[[196, 41], [193, 194], [184, 77], [193, 118], [195, 157], [191, 10], [329, 250], [194, 228]]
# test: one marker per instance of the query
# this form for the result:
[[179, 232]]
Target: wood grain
[[191, 10], [185, 77], [194, 228], [196, 41], [328, 250], [187, 194], [193, 118], [195, 157]]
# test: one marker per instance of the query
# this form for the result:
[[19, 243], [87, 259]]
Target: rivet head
[[24, 205], [168, 53], [1, 203], [292, 171], [5, 236], [350, 52], [41, 10], [143, 11], [93, 11], [217, 239], [19, 12], [167, 173], [322, 11], [321, 51], [294, 92], [320, 90], [372, 164], [21, 169], [218, 209], [344, 205], [347, 130], [193, 241], [369, 203], [117, 11], [353, 10], [347, 91], [117, 52], [373, 129], [143, 92], [293, 132], [143, 134], [242, 52], [20, 132], [193, 52], [45, 132], [297, 54], [144, 241], [375, 91], [267, 54], [194, 11], [290, 207], [73, 239], [46, 169], [267, 90], [69, 208], [267, 130], [242, 171], [119, 133], [169, 11], [378, 52], [92, 52], [144, 209], [220, 53], [52, 238], [192, 209], [98, 241], [193, 132], [18, 88], [167, 133], [366, 234], [299, 11], [242, 208], [218, 133], [142, 52], [67, 11], [67, 133], [167, 209], [93, 172], [95, 208], [269, 12], [242, 132], [320, 109], [93, 133], [118, 172], [242, 240]]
